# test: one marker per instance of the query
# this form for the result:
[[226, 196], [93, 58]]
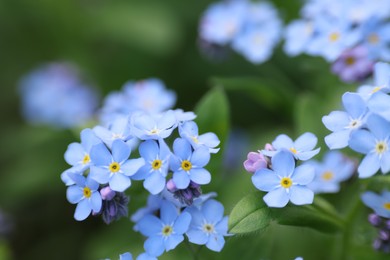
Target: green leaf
[[249, 215]]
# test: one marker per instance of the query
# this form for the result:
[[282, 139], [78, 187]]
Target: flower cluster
[[250, 28], [364, 125], [275, 170], [55, 95], [353, 34], [133, 144]]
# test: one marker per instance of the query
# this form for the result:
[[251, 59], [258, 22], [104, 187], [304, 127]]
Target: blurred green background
[[115, 41]]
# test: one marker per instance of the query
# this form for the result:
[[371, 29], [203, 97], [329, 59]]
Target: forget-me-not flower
[[374, 142], [114, 167], [146, 126], [166, 232], [284, 182], [189, 131], [379, 203]]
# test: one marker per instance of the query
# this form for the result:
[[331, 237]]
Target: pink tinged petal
[[154, 246], [303, 174], [369, 165], [181, 179], [74, 194], [306, 142], [385, 162], [155, 183], [119, 182], [150, 225], [200, 176], [277, 198], [100, 175], [130, 167], [95, 202], [212, 211], [197, 236], [120, 151], [172, 241], [82, 210], [304, 156], [216, 243], [74, 154], [265, 180], [200, 157], [283, 163], [182, 223], [362, 141], [338, 140], [282, 141], [301, 195], [100, 155], [336, 120]]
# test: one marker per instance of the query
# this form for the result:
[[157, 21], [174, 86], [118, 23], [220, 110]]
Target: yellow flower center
[[208, 228], [350, 61], [114, 167], [293, 150], [327, 176], [387, 205], [333, 37], [186, 165], [194, 139], [87, 192], [156, 164], [86, 159], [373, 38], [380, 147], [355, 123], [286, 182], [167, 230], [376, 89]]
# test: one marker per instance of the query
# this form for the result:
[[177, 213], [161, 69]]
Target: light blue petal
[[167, 121], [354, 104], [182, 223], [304, 156], [216, 243], [100, 175], [209, 139], [66, 179], [277, 198], [385, 162], [336, 120], [74, 194], [282, 141], [200, 176], [200, 157], [381, 73], [379, 103], [172, 241], [300, 195], [197, 236], [196, 216], [125, 256], [88, 139], [149, 150], [144, 122], [174, 163], [222, 226], [378, 126], [154, 246], [100, 155], [104, 134], [82, 210], [189, 128], [142, 173], [74, 154], [265, 180], [371, 199], [120, 151], [362, 141], [369, 165], [306, 142], [181, 179], [149, 225], [119, 182], [130, 167], [77, 178], [338, 140], [283, 163], [146, 256], [182, 149], [155, 183], [95, 202], [168, 212], [303, 174], [91, 183], [212, 211]]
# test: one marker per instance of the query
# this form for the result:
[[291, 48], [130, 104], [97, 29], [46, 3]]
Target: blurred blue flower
[[125, 256], [208, 225], [342, 123], [85, 194], [376, 38], [284, 182], [189, 131], [55, 95], [166, 232], [301, 149], [187, 165], [152, 206], [298, 35], [379, 203], [146, 126], [114, 167], [374, 142]]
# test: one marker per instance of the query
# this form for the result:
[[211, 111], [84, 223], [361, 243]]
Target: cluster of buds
[[382, 242]]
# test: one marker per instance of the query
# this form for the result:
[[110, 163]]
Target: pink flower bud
[[254, 162]]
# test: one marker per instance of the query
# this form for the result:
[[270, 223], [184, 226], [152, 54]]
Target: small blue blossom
[[187, 165], [374, 142], [189, 131], [376, 38], [342, 123], [301, 149], [379, 203], [284, 182], [182, 116], [125, 256], [208, 225], [298, 35], [85, 194], [334, 168], [145, 126], [114, 167], [166, 232]]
